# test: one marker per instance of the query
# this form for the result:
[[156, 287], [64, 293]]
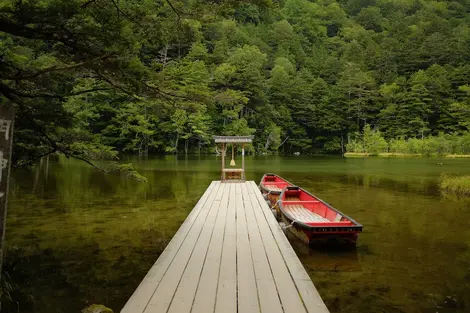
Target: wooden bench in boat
[[273, 188], [303, 214]]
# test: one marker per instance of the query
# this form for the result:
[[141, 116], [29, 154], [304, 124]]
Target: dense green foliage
[[372, 142], [91, 78]]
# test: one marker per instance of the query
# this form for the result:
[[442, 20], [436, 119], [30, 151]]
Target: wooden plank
[[305, 287], [233, 139], [206, 293], [246, 287], [143, 293], [267, 291], [165, 290], [295, 213], [290, 210], [285, 285], [187, 287], [233, 170], [226, 300], [272, 187], [303, 214], [338, 217]]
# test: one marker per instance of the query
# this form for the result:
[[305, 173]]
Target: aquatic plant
[[459, 185], [356, 154], [458, 156], [7, 289], [12, 295], [97, 308]]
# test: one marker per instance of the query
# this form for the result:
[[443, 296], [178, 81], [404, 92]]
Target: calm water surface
[[76, 236]]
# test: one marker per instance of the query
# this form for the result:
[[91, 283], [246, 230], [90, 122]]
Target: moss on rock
[[97, 308]]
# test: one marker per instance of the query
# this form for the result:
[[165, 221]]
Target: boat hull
[[272, 196], [313, 238], [315, 222]]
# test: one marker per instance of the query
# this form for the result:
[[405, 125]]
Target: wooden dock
[[229, 256]]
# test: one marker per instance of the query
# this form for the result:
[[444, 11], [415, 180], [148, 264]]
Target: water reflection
[[328, 258], [77, 236]]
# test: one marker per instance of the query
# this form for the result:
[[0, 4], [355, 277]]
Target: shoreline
[[404, 155]]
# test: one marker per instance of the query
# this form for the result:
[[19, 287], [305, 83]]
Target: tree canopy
[[93, 78]]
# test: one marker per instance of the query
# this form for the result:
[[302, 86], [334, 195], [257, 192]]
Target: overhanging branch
[[55, 68]]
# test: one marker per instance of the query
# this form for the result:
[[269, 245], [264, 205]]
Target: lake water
[[76, 236]]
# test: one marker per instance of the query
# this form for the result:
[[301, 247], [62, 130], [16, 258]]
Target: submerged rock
[[97, 308], [451, 302], [447, 302]]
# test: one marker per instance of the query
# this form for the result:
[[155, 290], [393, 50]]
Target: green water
[[77, 236]]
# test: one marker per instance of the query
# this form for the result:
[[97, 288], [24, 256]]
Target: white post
[[243, 162], [222, 174]]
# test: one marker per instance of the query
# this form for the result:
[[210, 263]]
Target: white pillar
[[243, 161]]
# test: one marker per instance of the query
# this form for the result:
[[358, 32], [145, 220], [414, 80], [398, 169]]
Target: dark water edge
[[76, 236]]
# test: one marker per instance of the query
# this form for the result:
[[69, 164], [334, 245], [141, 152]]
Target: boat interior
[[274, 183], [307, 209]]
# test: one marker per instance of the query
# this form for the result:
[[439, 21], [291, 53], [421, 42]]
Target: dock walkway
[[229, 256]]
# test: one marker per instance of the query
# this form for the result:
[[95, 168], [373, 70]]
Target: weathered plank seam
[[205, 219], [223, 205], [192, 251], [253, 208], [283, 258], [294, 305], [308, 289], [249, 240], [214, 206], [221, 250], [194, 214]]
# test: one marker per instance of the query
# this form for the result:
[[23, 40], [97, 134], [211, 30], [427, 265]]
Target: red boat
[[314, 221], [271, 187]]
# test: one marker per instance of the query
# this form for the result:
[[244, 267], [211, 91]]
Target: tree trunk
[[164, 56], [47, 166], [186, 144], [176, 142], [268, 141], [284, 141], [342, 145]]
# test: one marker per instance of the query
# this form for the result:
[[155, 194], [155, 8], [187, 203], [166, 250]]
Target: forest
[[94, 78]]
